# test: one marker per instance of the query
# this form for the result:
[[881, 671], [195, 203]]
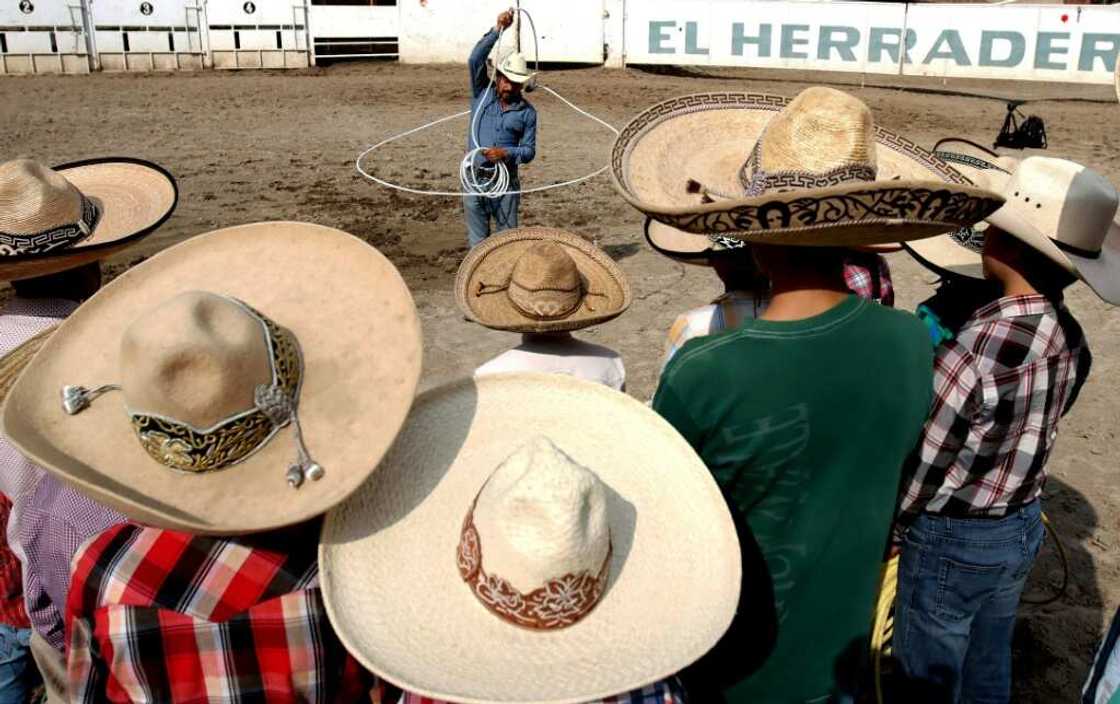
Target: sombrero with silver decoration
[[219, 387], [958, 252], [53, 219], [814, 170]]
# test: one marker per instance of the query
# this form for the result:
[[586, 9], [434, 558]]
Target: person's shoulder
[[701, 356], [900, 324]]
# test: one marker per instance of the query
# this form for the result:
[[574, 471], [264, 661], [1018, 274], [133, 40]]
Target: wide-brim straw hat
[[135, 197], [388, 554], [958, 253], [355, 323], [480, 287], [705, 140]]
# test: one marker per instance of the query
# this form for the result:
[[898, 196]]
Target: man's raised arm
[[476, 64]]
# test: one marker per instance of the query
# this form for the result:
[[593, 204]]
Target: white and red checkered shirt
[[1000, 388]]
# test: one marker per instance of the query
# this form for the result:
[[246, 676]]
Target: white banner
[[335, 21], [436, 31], [1032, 42]]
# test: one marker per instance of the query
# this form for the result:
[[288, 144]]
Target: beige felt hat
[[807, 171], [514, 67], [1067, 212], [958, 252], [245, 395], [57, 219], [504, 486], [540, 279]]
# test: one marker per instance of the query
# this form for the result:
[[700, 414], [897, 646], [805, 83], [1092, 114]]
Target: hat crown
[[542, 516], [545, 281], [821, 130], [514, 66], [197, 359], [34, 198], [1068, 202]]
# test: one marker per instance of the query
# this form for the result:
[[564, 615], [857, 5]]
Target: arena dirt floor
[[255, 146]]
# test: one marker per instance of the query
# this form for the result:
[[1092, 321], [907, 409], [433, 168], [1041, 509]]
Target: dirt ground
[[255, 146]]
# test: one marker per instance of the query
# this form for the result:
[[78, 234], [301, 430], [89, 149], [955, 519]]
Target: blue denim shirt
[[514, 127]]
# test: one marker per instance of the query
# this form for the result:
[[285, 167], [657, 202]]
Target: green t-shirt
[[805, 426]]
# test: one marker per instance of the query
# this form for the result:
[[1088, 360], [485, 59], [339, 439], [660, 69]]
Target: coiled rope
[[488, 180]]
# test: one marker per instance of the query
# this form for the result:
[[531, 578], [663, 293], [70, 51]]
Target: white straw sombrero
[[413, 576], [958, 252], [811, 171], [540, 279], [263, 371], [57, 219]]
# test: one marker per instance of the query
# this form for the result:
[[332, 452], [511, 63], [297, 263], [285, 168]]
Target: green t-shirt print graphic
[[774, 488]]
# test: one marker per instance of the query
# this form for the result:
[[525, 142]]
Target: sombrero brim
[[355, 394], [905, 203], [958, 253], [387, 558], [492, 261], [135, 198]]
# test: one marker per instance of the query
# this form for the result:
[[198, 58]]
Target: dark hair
[[75, 284]]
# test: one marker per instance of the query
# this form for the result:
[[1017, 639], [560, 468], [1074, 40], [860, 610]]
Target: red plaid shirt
[[867, 275], [12, 610], [161, 616], [1000, 388]]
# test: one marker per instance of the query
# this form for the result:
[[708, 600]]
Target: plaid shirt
[[664, 692], [162, 616], [868, 276], [999, 390], [12, 611], [49, 520]]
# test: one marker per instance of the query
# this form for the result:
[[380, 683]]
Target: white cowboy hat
[[539, 279], [57, 219], [958, 252], [514, 67], [1067, 212], [503, 486], [245, 395], [804, 172]]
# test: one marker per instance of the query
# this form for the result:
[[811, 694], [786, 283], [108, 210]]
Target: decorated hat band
[[181, 446], [971, 238], [558, 603], [60, 237], [757, 181]]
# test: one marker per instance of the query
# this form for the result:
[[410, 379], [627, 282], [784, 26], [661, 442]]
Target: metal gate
[[258, 33], [149, 35], [43, 36], [345, 29]]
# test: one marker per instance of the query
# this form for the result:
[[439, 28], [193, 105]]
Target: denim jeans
[[17, 669], [479, 210], [959, 584]]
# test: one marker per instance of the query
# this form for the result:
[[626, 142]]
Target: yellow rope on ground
[[882, 631]]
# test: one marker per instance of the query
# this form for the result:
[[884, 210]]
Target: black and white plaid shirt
[[1000, 388]]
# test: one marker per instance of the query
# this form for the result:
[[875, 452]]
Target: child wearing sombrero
[[545, 283], [56, 225], [805, 414], [969, 522]]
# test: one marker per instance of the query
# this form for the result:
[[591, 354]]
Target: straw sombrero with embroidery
[[531, 538], [540, 279], [814, 170], [958, 252], [53, 219], [220, 387]]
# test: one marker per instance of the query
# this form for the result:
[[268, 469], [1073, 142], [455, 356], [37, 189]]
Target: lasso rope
[[494, 180]]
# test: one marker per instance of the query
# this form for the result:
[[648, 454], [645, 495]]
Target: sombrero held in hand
[[806, 172]]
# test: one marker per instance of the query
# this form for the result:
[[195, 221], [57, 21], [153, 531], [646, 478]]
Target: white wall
[[63, 16], [164, 14], [439, 31], [1027, 42], [334, 21]]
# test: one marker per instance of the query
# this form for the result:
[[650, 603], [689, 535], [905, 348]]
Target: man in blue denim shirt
[[506, 127]]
